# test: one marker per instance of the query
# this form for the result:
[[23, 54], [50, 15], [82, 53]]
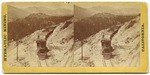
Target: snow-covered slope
[[64, 51]]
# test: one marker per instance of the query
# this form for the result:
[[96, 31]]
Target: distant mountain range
[[16, 13], [53, 12], [116, 10], [81, 13]]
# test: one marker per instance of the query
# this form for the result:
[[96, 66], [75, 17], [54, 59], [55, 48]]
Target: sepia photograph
[[109, 35], [39, 35], [73, 35]]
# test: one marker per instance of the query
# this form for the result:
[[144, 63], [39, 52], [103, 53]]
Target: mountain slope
[[15, 13], [81, 13]]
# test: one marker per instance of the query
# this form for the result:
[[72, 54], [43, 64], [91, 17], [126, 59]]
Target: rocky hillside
[[127, 44], [65, 51]]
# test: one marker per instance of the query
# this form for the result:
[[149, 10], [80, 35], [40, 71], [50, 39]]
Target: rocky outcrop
[[127, 44]]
